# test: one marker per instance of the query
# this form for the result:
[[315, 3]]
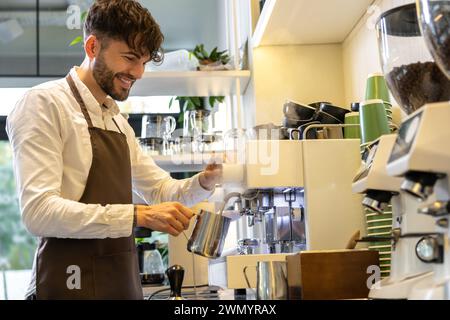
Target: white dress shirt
[[52, 158]]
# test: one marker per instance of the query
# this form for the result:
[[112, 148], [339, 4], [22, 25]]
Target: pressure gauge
[[430, 250]]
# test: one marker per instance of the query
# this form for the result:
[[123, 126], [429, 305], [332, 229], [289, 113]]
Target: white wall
[[360, 53], [305, 73]]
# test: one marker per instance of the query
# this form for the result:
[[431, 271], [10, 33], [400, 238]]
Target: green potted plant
[[206, 104], [215, 60]]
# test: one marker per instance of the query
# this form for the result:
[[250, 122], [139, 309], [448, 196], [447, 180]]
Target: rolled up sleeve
[[35, 129]]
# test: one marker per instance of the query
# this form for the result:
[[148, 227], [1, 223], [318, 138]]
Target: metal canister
[[208, 237]]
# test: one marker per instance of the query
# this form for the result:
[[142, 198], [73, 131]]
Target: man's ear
[[92, 46]]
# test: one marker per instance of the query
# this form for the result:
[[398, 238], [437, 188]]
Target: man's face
[[117, 67]]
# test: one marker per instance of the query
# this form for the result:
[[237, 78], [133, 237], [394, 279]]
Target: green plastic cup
[[376, 88], [373, 120], [353, 132]]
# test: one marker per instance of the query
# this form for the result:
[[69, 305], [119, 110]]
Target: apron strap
[[116, 125], [80, 101]]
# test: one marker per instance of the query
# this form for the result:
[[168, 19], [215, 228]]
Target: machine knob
[[436, 209], [442, 222], [430, 249], [175, 274]]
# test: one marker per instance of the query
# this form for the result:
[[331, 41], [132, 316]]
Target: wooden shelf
[[294, 22], [191, 83]]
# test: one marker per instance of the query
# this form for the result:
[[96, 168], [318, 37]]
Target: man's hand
[[210, 176], [169, 217]]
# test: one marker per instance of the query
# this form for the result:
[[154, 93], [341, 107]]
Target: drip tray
[[163, 292]]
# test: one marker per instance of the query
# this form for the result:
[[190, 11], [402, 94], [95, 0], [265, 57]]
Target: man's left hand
[[211, 176]]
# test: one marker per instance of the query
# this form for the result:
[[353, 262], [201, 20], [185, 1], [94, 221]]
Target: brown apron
[[108, 267]]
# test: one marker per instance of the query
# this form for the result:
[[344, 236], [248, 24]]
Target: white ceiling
[[312, 21]]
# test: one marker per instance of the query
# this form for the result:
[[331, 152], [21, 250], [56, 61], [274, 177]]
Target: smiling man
[[77, 162]]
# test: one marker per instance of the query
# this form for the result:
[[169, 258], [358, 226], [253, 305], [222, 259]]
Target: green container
[[377, 217], [353, 132], [377, 223], [377, 244], [373, 120], [376, 88], [385, 269], [384, 250]]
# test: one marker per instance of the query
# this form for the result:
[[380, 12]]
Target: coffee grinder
[[434, 17], [379, 190], [420, 156]]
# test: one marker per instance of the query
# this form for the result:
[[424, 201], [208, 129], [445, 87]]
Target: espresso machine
[[379, 190], [273, 220], [420, 156], [293, 195]]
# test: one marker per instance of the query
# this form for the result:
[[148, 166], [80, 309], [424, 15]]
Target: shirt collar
[[91, 103]]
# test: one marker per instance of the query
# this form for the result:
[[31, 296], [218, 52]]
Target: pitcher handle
[[172, 123], [291, 134], [246, 277], [193, 124]]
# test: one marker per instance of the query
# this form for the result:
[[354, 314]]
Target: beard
[[105, 79]]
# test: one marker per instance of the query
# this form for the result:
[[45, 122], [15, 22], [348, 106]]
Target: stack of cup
[[352, 132], [376, 88], [373, 120], [380, 225]]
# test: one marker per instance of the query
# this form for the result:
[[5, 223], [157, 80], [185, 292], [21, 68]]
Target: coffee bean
[[417, 84]]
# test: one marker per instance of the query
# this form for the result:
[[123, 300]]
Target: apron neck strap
[[80, 101]]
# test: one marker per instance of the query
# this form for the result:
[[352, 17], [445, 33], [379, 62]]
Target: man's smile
[[125, 82]]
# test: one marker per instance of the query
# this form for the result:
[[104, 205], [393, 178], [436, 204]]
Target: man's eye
[[128, 58]]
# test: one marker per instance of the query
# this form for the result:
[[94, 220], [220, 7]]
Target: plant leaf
[[213, 56], [204, 53], [196, 101], [75, 41], [83, 15], [211, 101]]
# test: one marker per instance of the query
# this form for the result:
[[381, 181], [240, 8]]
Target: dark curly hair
[[128, 21]]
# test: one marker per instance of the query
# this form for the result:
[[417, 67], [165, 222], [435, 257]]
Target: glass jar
[[157, 126], [196, 122], [411, 74], [151, 266], [152, 146], [234, 145], [434, 16]]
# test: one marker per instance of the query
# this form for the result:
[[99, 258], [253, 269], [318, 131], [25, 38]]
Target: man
[[76, 162]]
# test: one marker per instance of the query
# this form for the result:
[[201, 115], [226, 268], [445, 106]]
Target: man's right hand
[[169, 217]]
